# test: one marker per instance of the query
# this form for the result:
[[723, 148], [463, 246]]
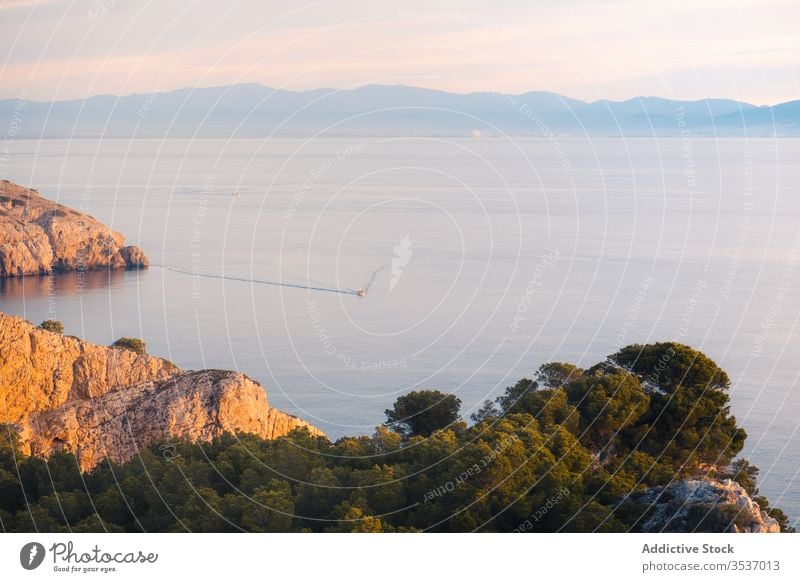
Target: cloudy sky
[[614, 49]]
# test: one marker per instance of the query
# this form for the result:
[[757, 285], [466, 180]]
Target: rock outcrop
[[705, 505], [99, 402], [38, 236]]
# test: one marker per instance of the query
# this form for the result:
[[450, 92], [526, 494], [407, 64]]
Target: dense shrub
[[131, 343], [52, 325]]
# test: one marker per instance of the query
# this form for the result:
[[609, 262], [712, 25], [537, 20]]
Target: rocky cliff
[[39, 236], [705, 505], [99, 402]]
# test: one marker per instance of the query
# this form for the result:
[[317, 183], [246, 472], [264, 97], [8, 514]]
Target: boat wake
[[373, 275], [293, 285]]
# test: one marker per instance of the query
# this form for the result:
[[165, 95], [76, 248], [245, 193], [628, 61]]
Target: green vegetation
[[52, 325], [566, 451], [422, 413], [131, 343]]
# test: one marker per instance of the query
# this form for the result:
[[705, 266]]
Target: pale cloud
[[615, 49], [16, 4]]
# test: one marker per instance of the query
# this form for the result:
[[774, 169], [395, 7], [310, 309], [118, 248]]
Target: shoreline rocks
[[39, 236]]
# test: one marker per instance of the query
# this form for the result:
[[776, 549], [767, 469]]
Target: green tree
[[517, 398], [486, 411], [131, 343], [745, 475], [607, 404], [422, 412], [271, 508], [557, 374], [356, 520], [666, 366], [52, 325]]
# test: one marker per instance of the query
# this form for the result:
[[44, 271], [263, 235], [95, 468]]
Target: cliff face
[[41, 371], [680, 506], [99, 402], [39, 236]]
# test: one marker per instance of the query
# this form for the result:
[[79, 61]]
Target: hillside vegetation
[[568, 450]]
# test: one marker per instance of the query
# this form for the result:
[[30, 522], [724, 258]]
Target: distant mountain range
[[254, 110]]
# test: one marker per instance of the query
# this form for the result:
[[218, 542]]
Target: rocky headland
[[101, 402], [39, 236]]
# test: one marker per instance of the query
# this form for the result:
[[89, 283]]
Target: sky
[[611, 49]]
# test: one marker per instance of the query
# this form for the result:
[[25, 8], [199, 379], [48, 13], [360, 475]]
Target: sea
[[342, 273]]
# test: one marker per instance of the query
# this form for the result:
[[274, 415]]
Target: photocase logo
[[31, 555], [402, 256]]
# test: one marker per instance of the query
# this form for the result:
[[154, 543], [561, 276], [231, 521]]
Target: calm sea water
[[484, 258]]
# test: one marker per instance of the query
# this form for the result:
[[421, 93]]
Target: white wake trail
[[293, 285]]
